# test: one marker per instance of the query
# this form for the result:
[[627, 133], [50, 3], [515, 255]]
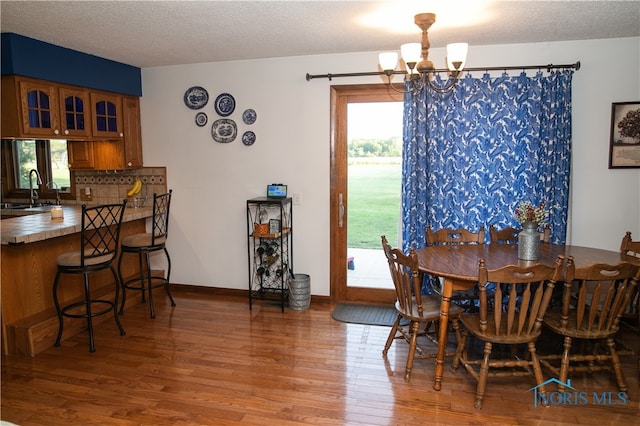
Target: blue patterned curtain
[[470, 156]]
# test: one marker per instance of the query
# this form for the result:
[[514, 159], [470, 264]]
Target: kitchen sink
[[15, 206], [20, 206]]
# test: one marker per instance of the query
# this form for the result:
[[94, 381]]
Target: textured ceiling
[[157, 33]]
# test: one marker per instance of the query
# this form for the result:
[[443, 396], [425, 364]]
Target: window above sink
[[48, 156]]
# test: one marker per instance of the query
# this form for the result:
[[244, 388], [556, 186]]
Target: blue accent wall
[[28, 57]]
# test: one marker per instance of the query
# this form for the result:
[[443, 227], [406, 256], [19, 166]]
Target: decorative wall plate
[[224, 130], [249, 116], [196, 97], [248, 138], [201, 119], [225, 104]]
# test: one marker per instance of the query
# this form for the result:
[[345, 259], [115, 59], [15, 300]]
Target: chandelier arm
[[448, 86], [393, 87]]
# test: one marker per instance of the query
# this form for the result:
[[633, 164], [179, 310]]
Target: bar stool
[[98, 245], [145, 244]]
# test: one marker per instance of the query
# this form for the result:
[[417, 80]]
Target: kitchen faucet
[[54, 186], [33, 194]]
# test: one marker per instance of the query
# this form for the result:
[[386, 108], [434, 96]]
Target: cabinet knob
[[66, 132], [129, 164], [121, 134], [56, 132]]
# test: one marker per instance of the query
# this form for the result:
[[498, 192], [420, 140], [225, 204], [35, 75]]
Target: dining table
[[458, 265]]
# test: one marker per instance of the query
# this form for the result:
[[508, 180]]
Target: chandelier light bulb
[[456, 55], [411, 52], [388, 60]]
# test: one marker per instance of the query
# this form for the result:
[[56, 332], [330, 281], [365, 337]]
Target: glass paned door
[[374, 134]]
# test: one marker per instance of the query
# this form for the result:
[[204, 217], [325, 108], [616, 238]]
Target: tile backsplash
[[109, 186]]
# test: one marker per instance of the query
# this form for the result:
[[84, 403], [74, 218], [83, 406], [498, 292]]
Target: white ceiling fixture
[[420, 70]]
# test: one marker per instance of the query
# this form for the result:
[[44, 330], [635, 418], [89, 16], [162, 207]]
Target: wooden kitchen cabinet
[[29, 108], [103, 128], [34, 108], [75, 112], [107, 115], [96, 155], [132, 132], [122, 153], [80, 154]]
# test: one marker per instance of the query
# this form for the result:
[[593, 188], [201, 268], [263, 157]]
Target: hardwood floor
[[210, 360]]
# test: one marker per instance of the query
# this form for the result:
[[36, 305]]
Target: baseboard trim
[[221, 291]]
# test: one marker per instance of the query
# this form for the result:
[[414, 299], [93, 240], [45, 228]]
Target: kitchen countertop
[[35, 224]]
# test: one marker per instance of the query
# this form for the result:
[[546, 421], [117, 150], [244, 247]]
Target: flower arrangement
[[527, 212]]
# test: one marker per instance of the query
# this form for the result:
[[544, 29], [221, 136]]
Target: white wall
[[212, 181]]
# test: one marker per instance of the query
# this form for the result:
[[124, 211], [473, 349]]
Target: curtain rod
[[547, 67]]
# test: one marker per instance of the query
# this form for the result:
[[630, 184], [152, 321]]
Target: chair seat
[[73, 258], [142, 240], [552, 320], [430, 310], [472, 323]]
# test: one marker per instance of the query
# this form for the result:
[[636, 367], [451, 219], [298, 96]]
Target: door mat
[[365, 314]]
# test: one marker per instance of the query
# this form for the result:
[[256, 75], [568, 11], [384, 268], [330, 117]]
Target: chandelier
[[420, 70]]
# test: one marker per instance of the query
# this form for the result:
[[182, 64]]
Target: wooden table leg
[[447, 290]]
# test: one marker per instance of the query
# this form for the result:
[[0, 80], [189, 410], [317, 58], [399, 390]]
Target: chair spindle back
[[520, 299], [454, 236], [407, 280], [599, 293]]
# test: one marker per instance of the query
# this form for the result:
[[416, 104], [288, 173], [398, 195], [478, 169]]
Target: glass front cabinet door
[[40, 115], [75, 111], [107, 115]]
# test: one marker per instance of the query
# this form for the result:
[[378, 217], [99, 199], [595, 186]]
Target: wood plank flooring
[[210, 360]]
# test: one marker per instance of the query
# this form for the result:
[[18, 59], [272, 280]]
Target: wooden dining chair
[[519, 302], [509, 235], [593, 300], [631, 315], [413, 306], [465, 298]]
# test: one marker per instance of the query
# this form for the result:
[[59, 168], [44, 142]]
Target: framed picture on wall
[[624, 146]]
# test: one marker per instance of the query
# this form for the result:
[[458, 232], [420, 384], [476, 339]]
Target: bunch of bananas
[[137, 186]]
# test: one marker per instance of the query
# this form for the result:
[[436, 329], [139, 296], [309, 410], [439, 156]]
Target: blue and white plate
[[224, 130], [196, 97], [249, 116], [225, 104], [248, 138], [201, 119]]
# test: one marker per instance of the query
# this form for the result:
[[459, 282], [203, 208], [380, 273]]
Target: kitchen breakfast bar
[[31, 241]]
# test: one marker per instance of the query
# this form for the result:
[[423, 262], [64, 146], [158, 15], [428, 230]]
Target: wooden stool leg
[[462, 343], [564, 363], [482, 377], [392, 335], [415, 325], [617, 368]]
